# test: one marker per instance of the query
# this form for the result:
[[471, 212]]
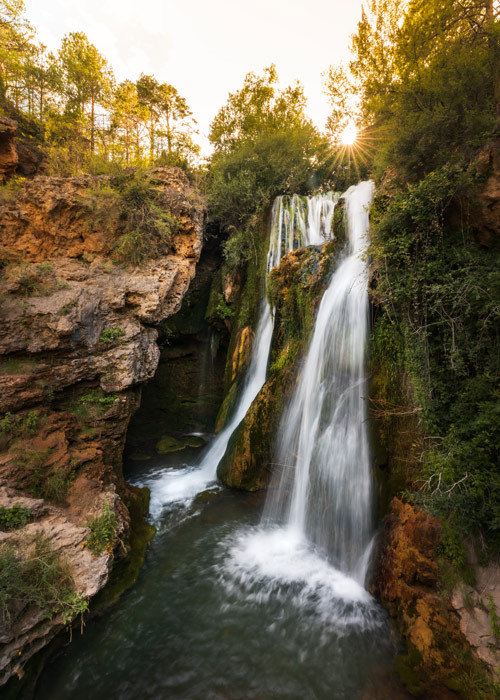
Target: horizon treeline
[[70, 102]]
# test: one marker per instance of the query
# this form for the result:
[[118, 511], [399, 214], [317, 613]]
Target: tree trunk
[[92, 117]]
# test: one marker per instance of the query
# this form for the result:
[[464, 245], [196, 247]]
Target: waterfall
[[323, 492], [295, 222]]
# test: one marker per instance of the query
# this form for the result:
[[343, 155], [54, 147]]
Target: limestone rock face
[[409, 586], [477, 607], [77, 340], [8, 152]]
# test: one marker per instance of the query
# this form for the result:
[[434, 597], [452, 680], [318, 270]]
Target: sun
[[348, 136]]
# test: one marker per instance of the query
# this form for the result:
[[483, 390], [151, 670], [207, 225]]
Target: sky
[[204, 48]]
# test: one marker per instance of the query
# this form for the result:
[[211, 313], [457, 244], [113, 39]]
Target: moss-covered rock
[[168, 444], [295, 290], [408, 582], [246, 462]]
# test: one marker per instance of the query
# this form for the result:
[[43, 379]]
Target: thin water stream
[[233, 605]]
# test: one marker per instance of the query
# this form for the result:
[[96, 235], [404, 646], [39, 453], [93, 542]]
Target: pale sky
[[204, 48]]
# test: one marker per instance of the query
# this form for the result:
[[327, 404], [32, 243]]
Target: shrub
[[102, 400], [112, 335], [13, 518], [102, 535], [40, 579], [148, 226]]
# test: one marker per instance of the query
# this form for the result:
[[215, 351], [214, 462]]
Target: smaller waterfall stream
[[295, 222]]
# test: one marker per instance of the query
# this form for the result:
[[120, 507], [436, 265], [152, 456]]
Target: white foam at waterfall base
[[265, 564]]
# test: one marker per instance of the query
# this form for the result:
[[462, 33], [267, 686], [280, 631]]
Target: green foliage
[[264, 146], [222, 310], [112, 335], [100, 399], [60, 100], [102, 536], [6, 424], [31, 423], [443, 289], [40, 579], [239, 248], [35, 280], [14, 518], [50, 486], [423, 80], [10, 190], [148, 225]]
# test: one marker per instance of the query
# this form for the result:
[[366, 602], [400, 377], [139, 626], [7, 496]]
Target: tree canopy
[[71, 103]]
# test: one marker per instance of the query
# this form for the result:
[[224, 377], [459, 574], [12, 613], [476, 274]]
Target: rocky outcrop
[[77, 339], [8, 152], [295, 290], [478, 607], [409, 583]]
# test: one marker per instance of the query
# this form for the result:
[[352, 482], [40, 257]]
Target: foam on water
[[264, 564]]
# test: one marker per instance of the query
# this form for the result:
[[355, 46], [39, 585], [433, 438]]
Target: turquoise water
[[220, 611]]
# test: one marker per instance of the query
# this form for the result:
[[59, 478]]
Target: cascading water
[[324, 441], [295, 222], [229, 608], [317, 525]]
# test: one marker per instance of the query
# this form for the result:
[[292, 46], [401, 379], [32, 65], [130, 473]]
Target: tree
[[169, 120], [256, 108], [43, 81], [128, 118], [88, 77], [264, 145], [149, 95], [15, 38], [426, 74]]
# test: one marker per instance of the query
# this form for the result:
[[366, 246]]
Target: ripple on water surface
[[225, 609]]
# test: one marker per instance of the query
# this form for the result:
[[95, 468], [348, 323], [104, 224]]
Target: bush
[[147, 223], [39, 579], [102, 536], [100, 399], [440, 289], [13, 518], [112, 335]]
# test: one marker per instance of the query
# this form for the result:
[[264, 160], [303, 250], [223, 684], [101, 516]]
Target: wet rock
[[168, 444]]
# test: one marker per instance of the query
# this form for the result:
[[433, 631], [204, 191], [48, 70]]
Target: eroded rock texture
[[442, 630], [77, 340]]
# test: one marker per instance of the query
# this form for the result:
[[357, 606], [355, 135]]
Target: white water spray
[[323, 492], [295, 222], [314, 541]]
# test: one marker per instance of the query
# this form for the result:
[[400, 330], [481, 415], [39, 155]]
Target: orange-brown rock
[[242, 352], [231, 285], [8, 153], [77, 340], [408, 583]]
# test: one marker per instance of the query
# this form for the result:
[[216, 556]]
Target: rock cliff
[[77, 340]]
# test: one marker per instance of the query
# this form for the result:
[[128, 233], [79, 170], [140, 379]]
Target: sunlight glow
[[348, 136]]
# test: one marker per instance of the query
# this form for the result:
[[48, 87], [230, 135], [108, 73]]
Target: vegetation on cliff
[[422, 87], [436, 276]]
